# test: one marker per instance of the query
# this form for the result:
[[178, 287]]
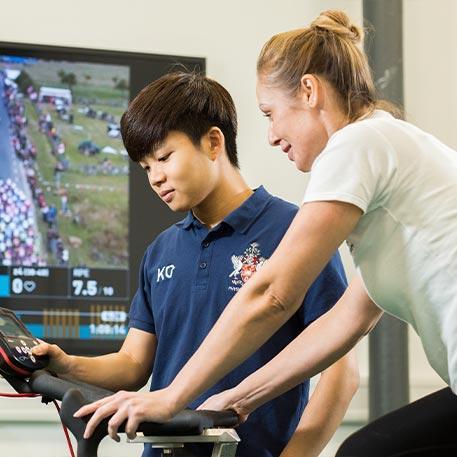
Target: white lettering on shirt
[[165, 272]]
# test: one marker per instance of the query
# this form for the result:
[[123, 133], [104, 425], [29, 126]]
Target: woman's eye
[[164, 158], [267, 115]]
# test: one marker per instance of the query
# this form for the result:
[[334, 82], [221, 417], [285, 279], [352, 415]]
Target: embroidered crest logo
[[245, 265]]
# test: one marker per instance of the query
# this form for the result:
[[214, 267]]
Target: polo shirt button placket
[[204, 263]]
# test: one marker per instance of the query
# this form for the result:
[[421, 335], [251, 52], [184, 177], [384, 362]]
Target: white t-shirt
[[405, 244]]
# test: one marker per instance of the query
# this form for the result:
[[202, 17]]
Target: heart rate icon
[[29, 286]]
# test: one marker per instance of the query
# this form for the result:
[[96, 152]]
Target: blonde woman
[[383, 185]]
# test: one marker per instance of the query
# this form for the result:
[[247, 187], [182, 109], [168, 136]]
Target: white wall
[[430, 75], [430, 70]]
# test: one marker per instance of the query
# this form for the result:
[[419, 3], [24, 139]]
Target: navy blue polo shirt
[[187, 277]]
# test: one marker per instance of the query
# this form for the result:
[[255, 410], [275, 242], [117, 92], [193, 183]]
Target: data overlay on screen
[[64, 196]]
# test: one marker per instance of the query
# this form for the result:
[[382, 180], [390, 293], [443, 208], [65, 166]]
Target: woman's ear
[[310, 90], [216, 142]]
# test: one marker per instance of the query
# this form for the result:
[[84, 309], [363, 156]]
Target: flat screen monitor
[[75, 213]]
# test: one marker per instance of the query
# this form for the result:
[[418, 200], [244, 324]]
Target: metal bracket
[[225, 441]]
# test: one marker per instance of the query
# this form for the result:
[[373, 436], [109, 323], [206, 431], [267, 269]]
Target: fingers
[[100, 414], [217, 402], [41, 349], [132, 425], [116, 404], [211, 405], [115, 422], [58, 359], [204, 404], [100, 409], [242, 418], [91, 407], [129, 412], [123, 406]]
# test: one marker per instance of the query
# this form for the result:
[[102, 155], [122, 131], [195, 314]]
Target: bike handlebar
[[75, 394]]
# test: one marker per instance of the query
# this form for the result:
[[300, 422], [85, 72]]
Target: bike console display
[[16, 344]]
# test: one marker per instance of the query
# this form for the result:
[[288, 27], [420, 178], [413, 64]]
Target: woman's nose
[[156, 176], [273, 139]]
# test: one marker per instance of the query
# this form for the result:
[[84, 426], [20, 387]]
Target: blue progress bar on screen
[[4, 286], [37, 330]]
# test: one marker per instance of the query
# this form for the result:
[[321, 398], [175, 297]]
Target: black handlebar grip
[[51, 387], [187, 422], [72, 401], [190, 422]]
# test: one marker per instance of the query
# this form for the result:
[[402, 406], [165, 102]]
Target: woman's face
[[295, 124], [180, 173]]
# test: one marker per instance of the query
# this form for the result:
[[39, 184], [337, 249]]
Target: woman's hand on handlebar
[[133, 407], [223, 401], [59, 361]]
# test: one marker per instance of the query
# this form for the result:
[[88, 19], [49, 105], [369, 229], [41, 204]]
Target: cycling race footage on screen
[[62, 157]]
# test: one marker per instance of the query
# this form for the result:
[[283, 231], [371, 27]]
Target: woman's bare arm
[[316, 348], [269, 299]]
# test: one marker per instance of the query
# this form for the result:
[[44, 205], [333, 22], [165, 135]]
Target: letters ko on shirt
[[165, 272]]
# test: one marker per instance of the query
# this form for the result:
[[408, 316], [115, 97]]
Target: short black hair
[[187, 102]]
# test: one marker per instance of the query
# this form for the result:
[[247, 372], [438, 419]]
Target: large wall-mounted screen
[[72, 206]]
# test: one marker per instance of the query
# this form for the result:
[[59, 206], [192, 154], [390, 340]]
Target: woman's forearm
[[325, 409], [129, 368], [111, 371], [318, 347], [270, 297], [254, 325]]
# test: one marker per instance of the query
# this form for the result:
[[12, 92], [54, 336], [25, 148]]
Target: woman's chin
[[304, 168]]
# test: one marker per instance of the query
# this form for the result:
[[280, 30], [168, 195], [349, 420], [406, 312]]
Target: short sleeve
[[357, 166], [141, 315], [325, 291]]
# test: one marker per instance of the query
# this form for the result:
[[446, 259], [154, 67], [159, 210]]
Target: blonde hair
[[329, 48]]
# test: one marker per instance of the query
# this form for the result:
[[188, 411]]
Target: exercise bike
[[27, 375]]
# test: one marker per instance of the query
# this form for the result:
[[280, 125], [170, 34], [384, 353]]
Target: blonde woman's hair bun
[[337, 22], [330, 48]]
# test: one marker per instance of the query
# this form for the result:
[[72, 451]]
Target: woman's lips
[[290, 153], [287, 149], [167, 196]]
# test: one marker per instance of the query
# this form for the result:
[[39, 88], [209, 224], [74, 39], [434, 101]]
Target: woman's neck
[[228, 195]]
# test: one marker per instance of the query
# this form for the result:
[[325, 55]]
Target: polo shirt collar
[[187, 222], [245, 215], [240, 219]]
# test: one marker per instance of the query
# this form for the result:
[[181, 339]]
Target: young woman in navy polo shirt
[[182, 131]]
